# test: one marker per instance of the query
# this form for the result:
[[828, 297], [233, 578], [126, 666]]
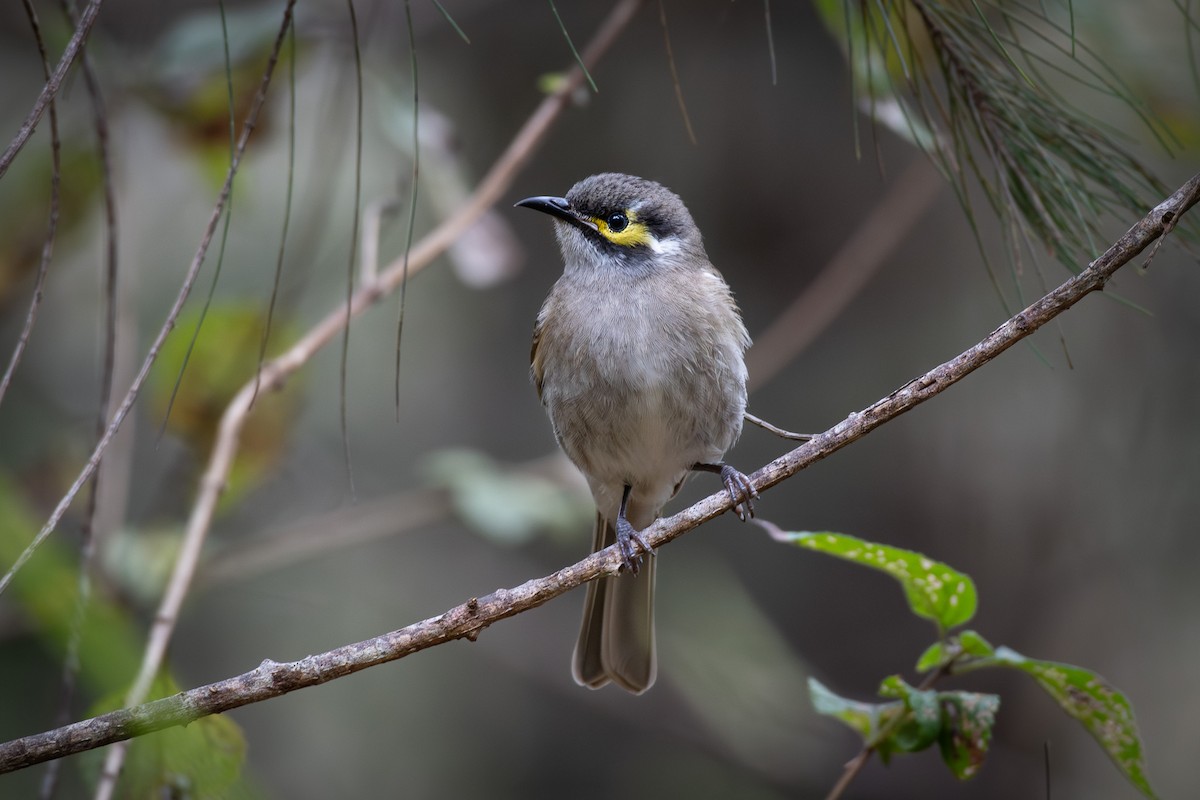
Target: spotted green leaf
[[1105, 712], [864, 718], [960, 723], [934, 591], [921, 726], [967, 722]]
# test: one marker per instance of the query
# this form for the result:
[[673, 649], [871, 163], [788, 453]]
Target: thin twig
[[414, 178], [450, 19], [580, 62], [374, 216], [231, 112], [86, 19], [88, 529], [39, 284], [856, 764], [770, 41], [287, 206], [683, 112], [71, 659], [109, 348], [780, 432], [344, 363], [273, 679]]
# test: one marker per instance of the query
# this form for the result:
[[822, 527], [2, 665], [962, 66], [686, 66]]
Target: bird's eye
[[617, 222]]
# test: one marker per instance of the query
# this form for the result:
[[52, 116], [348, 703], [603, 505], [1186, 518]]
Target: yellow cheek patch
[[634, 234]]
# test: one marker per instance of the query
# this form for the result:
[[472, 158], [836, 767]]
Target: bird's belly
[[644, 430]]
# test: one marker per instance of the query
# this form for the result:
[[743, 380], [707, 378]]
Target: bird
[[638, 356]]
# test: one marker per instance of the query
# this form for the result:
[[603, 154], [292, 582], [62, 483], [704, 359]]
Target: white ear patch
[[663, 247]]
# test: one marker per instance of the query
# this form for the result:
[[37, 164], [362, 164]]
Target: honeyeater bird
[[638, 357]]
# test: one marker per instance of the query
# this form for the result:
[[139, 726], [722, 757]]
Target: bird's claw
[[627, 537], [741, 492]]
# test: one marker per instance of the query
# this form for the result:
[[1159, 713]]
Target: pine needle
[[571, 45]]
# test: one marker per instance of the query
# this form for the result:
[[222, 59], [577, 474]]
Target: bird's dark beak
[[555, 207]]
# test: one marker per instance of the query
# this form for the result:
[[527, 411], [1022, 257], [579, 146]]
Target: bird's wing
[[536, 368]]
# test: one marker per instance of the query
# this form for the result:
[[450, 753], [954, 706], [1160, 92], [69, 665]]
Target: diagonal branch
[[50, 89], [271, 679]]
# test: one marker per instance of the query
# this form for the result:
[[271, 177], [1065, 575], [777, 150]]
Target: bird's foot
[[627, 537], [741, 492]]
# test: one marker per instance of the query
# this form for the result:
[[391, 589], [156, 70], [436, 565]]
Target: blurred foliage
[[222, 359], [202, 760], [741, 687], [506, 506], [25, 209], [140, 561], [46, 589], [185, 77], [968, 82]]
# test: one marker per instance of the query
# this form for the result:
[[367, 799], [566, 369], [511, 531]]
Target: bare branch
[[271, 679], [88, 530], [43, 269], [52, 85]]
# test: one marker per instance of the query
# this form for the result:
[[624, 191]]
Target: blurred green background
[[1067, 490]]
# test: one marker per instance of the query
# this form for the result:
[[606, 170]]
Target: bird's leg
[[626, 536], [741, 490]]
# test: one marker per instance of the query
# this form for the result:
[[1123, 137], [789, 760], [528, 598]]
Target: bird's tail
[[616, 641]]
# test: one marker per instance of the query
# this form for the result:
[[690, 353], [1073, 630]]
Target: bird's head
[[616, 219]]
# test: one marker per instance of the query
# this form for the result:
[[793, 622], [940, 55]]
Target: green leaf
[[894, 686], [934, 656], [934, 591], [219, 361], [923, 723], [1104, 711], [204, 759], [967, 722], [864, 718], [974, 645], [959, 722], [46, 589], [922, 728]]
